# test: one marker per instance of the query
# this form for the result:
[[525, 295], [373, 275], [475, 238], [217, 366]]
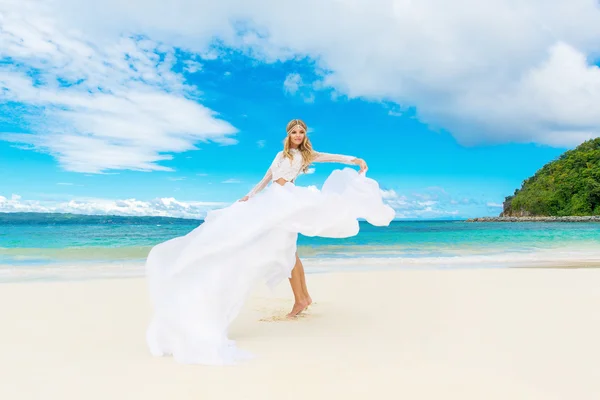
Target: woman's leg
[[300, 267], [298, 284]]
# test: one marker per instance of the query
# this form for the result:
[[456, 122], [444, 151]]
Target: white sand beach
[[406, 334]]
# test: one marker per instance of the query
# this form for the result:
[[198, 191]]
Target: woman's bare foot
[[308, 302], [299, 306]]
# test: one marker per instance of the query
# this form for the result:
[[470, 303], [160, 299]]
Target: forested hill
[[569, 185]]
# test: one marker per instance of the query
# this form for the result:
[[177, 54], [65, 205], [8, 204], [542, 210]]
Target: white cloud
[[192, 66], [261, 143], [436, 189], [465, 201], [414, 206], [488, 72], [389, 194], [98, 106], [294, 85], [232, 180], [310, 171], [435, 202], [164, 207]]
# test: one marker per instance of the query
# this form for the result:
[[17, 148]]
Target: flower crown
[[295, 125]]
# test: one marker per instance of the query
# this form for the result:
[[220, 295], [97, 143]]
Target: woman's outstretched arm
[[263, 182], [259, 186], [340, 158]]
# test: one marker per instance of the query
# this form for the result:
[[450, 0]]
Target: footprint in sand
[[280, 315]]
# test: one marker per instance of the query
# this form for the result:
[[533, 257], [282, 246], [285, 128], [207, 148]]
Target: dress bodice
[[283, 167], [289, 169]]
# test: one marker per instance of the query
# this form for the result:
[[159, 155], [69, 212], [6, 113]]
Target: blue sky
[[219, 116]]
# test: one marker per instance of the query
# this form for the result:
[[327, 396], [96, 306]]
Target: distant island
[[566, 189]]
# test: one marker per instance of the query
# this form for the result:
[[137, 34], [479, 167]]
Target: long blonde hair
[[305, 147]]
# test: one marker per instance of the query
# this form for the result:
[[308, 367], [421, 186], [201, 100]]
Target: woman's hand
[[245, 198], [362, 164]]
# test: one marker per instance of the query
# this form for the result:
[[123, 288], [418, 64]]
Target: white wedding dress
[[199, 282]]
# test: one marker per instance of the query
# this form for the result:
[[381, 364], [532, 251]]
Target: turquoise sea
[[45, 247]]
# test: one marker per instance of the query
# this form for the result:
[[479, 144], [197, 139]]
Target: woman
[[298, 150], [199, 282]]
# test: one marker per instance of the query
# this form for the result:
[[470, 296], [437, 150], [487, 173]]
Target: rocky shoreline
[[588, 218]]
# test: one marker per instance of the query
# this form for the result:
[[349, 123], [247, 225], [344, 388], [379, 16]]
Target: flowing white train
[[199, 282]]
